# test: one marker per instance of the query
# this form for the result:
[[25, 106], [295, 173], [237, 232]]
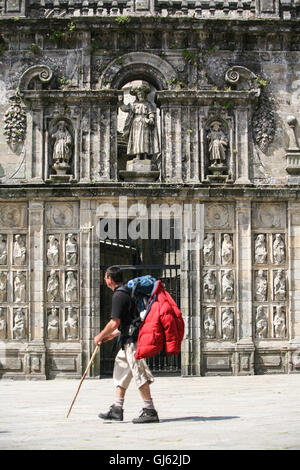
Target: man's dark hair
[[115, 273]]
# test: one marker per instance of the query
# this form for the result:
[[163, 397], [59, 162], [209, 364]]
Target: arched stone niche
[[120, 74], [137, 66]]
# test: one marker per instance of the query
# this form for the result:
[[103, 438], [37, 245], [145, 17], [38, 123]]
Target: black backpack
[[132, 329]]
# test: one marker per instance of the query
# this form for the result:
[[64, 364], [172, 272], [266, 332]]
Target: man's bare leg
[[145, 391]]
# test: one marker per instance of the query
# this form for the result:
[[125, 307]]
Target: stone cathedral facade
[[194, 103]]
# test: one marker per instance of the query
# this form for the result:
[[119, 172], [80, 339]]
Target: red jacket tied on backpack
[[162, 325]]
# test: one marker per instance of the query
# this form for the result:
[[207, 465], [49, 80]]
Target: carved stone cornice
[[74, 97], [205, 96]]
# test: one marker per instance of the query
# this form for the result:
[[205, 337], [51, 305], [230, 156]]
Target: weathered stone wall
[[233, 66]]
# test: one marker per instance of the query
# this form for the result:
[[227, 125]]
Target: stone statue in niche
[[227, 285], [209, 285], [227, 323], [227, 250], [278, 249], [19, 328], [71, 287], [279, 322], [53, 324], [209, 323], [261, 286], [52, 251], [71, 324], [261, 323], [260, 249], [279, 285], [3, 286], [20, 287], [62, 149], [53, 286], [209, 249], [217, 147], [3, 324], [71, 249], [19, 251], [140, 126], [3, 250]]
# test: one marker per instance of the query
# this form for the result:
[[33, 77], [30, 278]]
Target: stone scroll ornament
[[15, 116], [263, 121]]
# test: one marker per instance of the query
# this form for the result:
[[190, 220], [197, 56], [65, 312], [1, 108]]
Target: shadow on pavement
[[198, 418]]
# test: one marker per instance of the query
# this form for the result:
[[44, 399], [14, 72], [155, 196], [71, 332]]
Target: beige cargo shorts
[[127, 367]]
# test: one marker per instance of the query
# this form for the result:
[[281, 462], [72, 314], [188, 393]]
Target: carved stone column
[[245, 347], [180, 136], [190, 290], [35, 352], [294, 297], [242, 139], [87, 293]]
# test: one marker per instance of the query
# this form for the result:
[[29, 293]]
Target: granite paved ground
[[250, 412]]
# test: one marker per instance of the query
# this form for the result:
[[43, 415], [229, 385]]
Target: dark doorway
[[158, 257]]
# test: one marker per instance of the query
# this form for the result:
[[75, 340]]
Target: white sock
[[119, 402], [149, 404]]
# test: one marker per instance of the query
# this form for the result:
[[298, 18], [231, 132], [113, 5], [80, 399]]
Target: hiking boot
[[147, 416], [115, 413]]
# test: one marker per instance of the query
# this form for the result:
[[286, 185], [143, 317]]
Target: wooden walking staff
[[83, 377]]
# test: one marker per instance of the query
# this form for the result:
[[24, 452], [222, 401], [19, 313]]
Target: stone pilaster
[[86, 288], [190, 290], [244, 347], [242, 155], [294, 291], [35, 352]]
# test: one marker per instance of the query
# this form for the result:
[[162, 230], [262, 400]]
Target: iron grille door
[[138, 258]]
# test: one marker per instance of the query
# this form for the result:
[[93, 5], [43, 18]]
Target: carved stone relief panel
[[19, 250], [53, 286], [19, 323], [53, 324], [13, 216], [3, 286], [62, 324], [218, 293], [3, 323], [13, 273], [63, 280], [62, 216], [71, 324], [219, 215], [3, 250], [270, 286]]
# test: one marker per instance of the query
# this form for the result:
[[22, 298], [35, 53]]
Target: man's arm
[[109, 331]]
